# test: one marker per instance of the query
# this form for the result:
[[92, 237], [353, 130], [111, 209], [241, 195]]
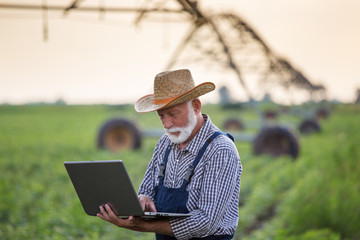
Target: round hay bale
[[270, 115], [119, 134], [322, 113], [276, 141], [309, 126], [233, 124]]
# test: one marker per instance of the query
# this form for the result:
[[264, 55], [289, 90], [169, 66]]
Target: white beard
[[186, 131]]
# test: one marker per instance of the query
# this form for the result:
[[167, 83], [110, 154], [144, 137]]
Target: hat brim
[[146, 103]]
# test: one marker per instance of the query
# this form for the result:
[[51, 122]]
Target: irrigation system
[[225, 40]]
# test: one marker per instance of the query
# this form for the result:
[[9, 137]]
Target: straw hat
[[171, 88]]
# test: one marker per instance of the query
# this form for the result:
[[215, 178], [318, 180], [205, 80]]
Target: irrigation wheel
[[276, 141], [119, 134]]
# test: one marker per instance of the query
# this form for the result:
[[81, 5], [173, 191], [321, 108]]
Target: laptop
[[100, 182]]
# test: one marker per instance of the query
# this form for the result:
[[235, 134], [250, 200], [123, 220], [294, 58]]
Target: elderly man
[[195, 168]]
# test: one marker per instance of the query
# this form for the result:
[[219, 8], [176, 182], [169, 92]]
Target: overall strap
[[190, 170], [162, 165]]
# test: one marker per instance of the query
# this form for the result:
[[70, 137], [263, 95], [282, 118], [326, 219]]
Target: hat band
[[163, 100]]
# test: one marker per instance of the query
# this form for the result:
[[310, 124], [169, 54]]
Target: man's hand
[[147, 204], [132, 223], [161, 226]]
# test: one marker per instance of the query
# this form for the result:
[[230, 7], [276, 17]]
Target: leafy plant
[[315, 197]]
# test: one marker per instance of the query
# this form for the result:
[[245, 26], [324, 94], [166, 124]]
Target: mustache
[[174, 129]]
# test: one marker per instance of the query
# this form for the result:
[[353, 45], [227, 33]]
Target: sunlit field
[[315, 196]]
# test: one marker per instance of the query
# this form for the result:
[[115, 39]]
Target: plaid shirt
[[213, 190]]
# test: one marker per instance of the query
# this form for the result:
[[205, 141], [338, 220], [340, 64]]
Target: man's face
[[179, 121]]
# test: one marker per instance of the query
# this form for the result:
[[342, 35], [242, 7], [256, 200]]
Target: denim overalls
[[175, 199]]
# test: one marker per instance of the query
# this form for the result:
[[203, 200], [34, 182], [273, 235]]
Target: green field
[[317, 196]]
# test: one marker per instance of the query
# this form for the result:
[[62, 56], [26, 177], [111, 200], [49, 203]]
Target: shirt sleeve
[[220, 179]]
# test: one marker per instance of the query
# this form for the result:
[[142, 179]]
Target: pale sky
[[88, 60]]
